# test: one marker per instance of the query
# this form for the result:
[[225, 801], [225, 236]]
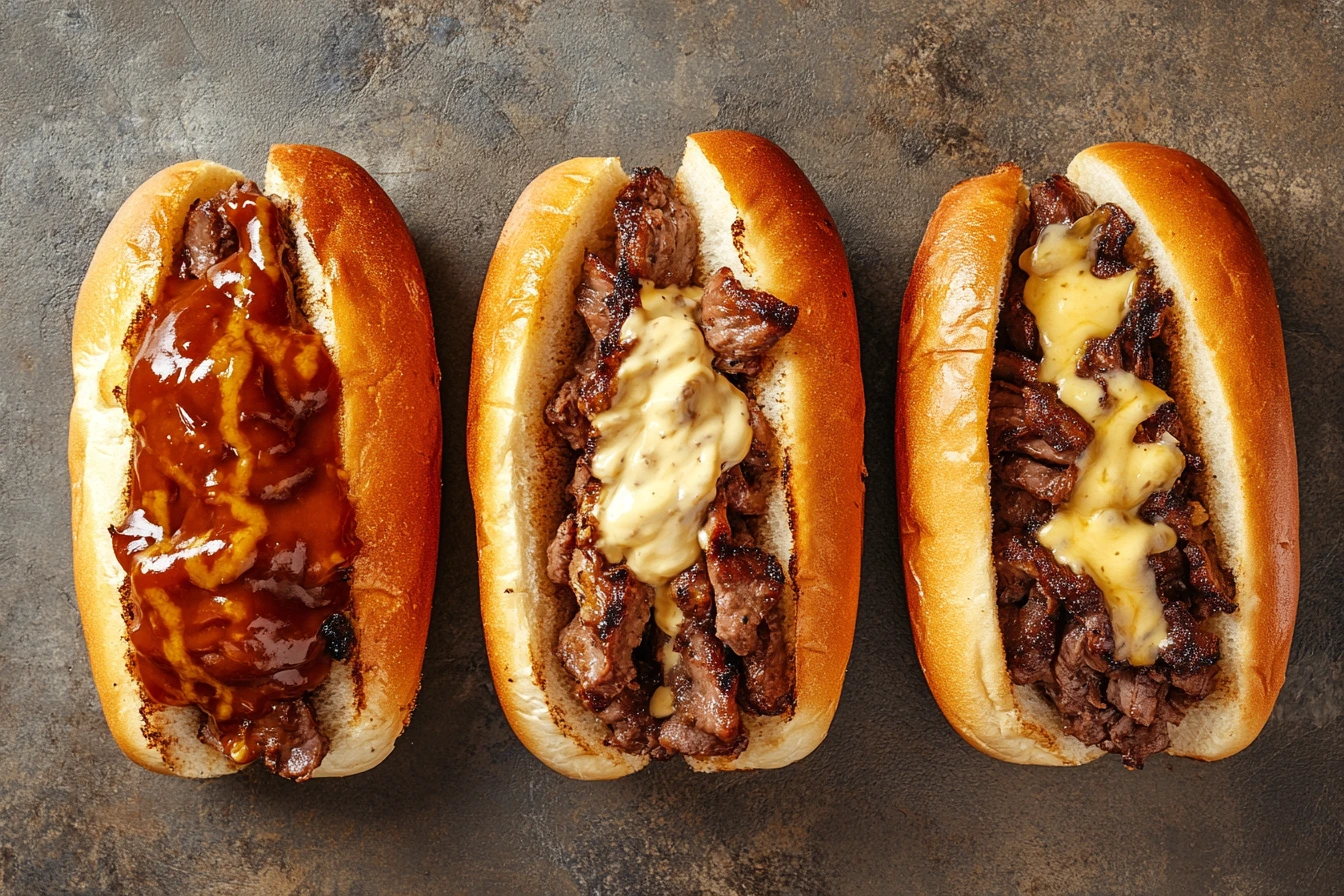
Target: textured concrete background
[[454, 111]]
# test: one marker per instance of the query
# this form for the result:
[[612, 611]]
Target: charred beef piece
[[1056, 201], [1019, 415], [1017, 325], [287, 738], [596, 285], [1110, 242], [1016, 368], [605, 299], [768, 682], [656, 235], [747, 581], [565, 414], [1212, 588], [692, 591], [1130, 346], [1029, 638], [209, 238], [1025, 559], [706, 720], [1051, 484], [742, 324], [597, 647], [633, 729], [560, 552], [743, 497], [1015, 508]]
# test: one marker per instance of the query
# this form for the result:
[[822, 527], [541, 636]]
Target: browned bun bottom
[[361, 287], [759, 216], [1237, 414]]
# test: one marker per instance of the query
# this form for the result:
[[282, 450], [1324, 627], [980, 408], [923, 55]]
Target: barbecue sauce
[[240, 535]]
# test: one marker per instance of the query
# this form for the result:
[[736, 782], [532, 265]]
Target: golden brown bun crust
[[791, 247], [948, 320], [1206, 251], [526, 336], [382, 341], [524, 344], [367, 298]]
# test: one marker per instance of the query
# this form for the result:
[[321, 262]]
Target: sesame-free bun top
[[1230, 383], [361, 287], [760, 216]]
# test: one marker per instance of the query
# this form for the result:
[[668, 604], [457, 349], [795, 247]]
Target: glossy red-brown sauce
[[240, 535]]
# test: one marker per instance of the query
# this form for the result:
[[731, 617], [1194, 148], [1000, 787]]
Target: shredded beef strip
[[1056, 629], [733, 643]]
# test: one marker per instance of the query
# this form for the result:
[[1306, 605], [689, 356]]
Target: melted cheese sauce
[[1098, 530], [675, 425]]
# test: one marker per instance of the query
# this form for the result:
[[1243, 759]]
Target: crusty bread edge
[[812, 393], [127, 271]]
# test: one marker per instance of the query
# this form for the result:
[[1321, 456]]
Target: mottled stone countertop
[[454, 110]]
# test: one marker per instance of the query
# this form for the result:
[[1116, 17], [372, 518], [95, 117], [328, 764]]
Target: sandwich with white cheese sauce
[[665, 450], [1097, 476]]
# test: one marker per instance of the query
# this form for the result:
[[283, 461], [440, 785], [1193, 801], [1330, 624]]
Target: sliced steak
[[1135, 742], [692, 591], [747, 581], [704, 685], [565, 414], [1130, 346], [209, 238], [1017, 325], [742, 324], [597, 647], [633, 730], [1028, 638], [768, 683], [560, 552], [1052, 484], [1016, 508], [1015, 368], [1056, 201], [656, 235], [287, 738], [1110, 242], [743, 497], [1136, 693]]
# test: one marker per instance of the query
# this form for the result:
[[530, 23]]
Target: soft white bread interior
[[365, 294], [524, 346], [1237, 412], [526, 339]]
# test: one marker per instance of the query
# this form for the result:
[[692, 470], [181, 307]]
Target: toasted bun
[[527, 336], [1237, 414], [366, 297]]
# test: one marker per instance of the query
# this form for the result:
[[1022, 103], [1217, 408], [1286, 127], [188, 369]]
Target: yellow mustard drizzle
[[1098, 530], [674, 426]]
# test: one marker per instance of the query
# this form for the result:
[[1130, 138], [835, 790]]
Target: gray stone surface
[[454, 111]]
